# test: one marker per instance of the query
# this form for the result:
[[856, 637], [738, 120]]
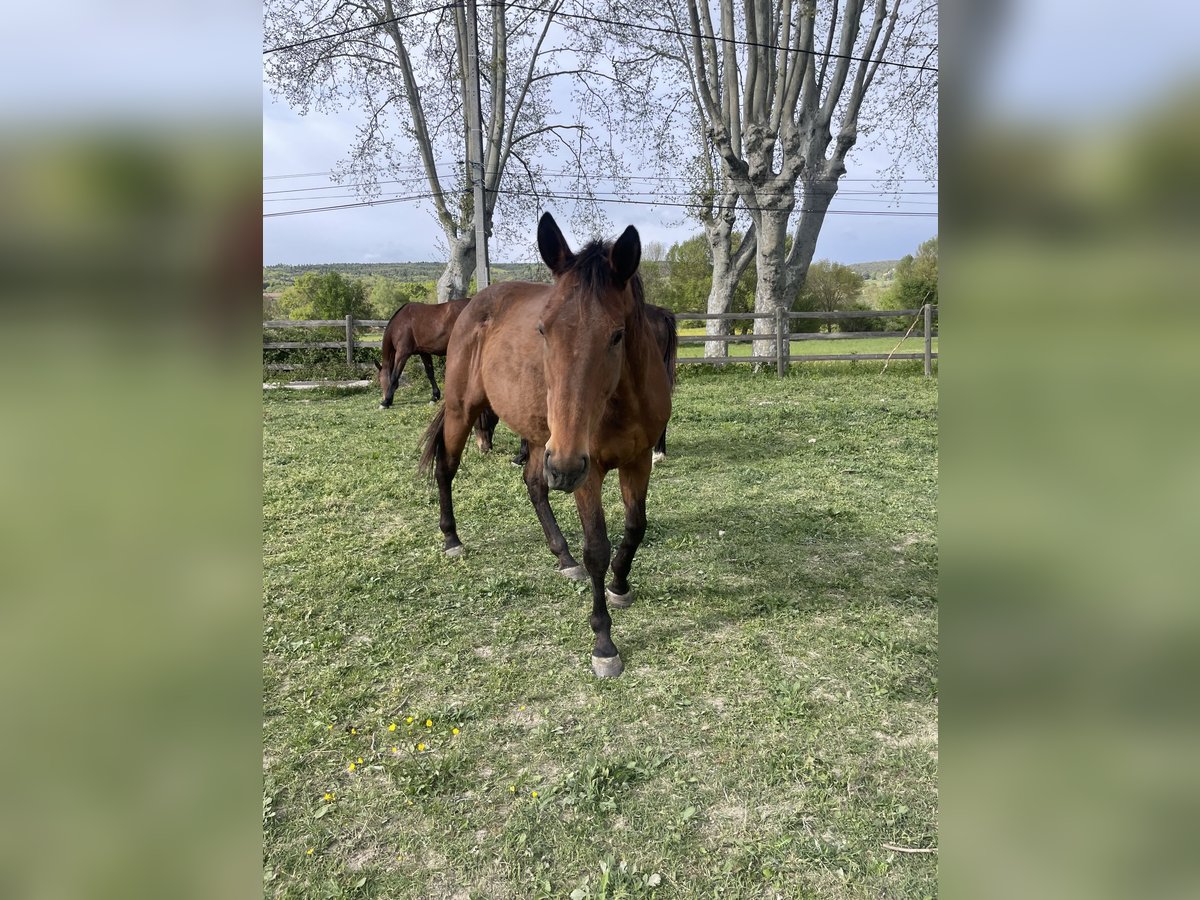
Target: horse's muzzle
[[565, 478]]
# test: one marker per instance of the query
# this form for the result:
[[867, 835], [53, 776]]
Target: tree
[[387, 294], [689, 275], [830, 287], [405, 67], [775, 88], [916, 280], [327, 295]]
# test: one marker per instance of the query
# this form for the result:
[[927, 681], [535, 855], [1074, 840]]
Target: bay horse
[[662, 323], [573, 368], [420, 328]]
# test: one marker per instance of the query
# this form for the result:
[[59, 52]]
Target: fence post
[[928, 340], [781, 346], [350, 340]]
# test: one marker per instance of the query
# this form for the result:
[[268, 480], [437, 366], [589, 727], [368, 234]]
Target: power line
[[336, 34], [267, 195], [604, 195], [421, 169], [585, 198], [603, 21], [721, 39]]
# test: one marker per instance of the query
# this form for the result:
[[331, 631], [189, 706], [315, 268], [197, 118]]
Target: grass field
[[775, 728]]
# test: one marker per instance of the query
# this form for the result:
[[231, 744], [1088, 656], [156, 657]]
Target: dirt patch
[[361, 858]]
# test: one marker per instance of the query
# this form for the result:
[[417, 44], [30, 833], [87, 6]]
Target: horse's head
[[583, 328]]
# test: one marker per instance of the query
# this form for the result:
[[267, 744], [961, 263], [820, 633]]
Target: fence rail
[[781, 335]]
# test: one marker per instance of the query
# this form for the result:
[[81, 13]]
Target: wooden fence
[[782, 336]]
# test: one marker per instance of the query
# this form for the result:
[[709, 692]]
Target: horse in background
[[573, 368], [420, 328], [424, 328]]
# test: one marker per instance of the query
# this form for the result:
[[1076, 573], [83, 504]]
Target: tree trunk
[[720, 300], [773, 289], [456, 278], [816, 197]]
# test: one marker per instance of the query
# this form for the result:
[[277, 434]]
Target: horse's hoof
[[620, 601], [607, 666], [455, 551], [657, 457], [383, 406], [575, 573]]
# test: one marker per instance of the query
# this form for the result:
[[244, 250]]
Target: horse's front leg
[[397, 370], [606, 661], [539, 496], [635, 479]]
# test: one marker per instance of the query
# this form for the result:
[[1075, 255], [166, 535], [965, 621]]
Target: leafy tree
[[387, 294], [689, 275], [327, 295], [830, 287], [916, 278]]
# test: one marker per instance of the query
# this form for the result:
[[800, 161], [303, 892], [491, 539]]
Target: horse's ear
[[625, 256], [553, 246]]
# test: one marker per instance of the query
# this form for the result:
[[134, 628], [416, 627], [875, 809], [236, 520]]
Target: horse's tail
[[671, 350], [433, 444]]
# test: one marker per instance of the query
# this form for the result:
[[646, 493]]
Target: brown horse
[[574, 369], [421, 328]]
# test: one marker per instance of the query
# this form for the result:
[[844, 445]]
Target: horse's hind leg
[[606, 661], [635, 479], [428, 361], [522, 456], [449, 443], [539, 496]]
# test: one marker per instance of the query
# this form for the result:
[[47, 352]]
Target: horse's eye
[[539, 327], [616, 338]]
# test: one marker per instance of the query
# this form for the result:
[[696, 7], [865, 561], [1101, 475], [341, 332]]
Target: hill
[[278, 277], [881, 268]]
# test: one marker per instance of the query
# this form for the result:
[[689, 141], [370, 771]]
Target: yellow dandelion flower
[[329, 728], [360, 760], [355, 730], [392, 727], [328, 796], [395, 749], [454, 731], [522, 708], [420, 748], [351, 767], [512, 788], [429, 723], [533, 794], [308, 852], [408, 721]]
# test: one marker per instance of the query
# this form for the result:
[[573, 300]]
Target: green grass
[[776, 722]]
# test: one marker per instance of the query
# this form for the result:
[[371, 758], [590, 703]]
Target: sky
[[408, 232]]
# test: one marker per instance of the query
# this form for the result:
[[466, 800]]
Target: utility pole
[[475, 144]]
